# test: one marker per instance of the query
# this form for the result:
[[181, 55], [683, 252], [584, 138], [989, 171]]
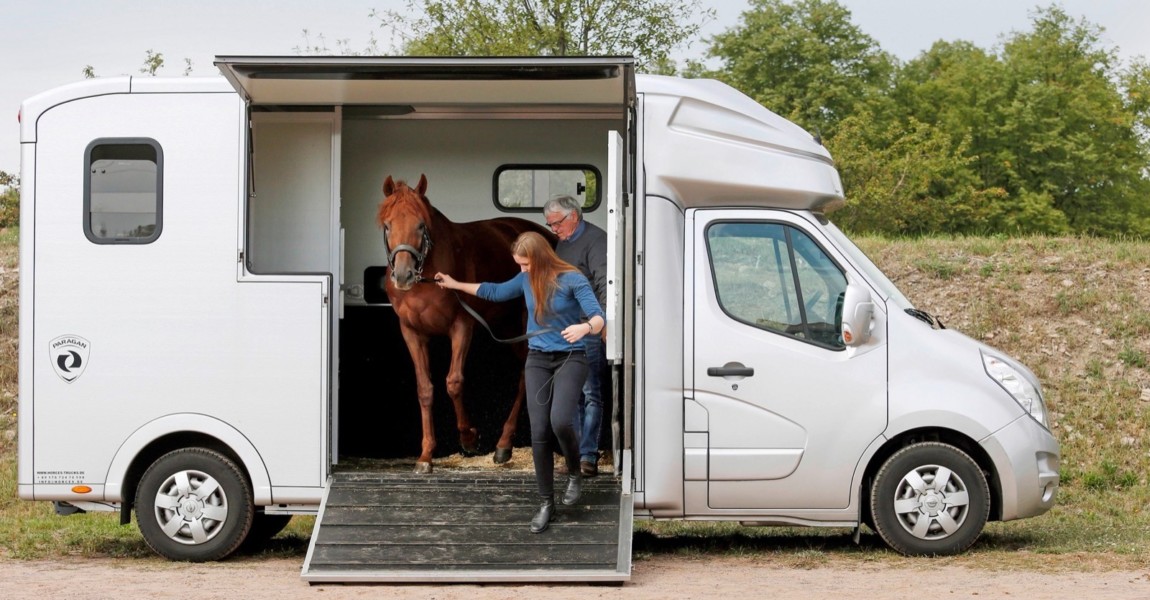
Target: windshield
[[876, 277]]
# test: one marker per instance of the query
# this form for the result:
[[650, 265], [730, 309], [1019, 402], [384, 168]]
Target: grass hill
[[1075, 310]]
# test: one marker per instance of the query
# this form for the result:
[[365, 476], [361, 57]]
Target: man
[[585, 246]]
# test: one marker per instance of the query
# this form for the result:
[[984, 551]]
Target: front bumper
[[1026, 457]]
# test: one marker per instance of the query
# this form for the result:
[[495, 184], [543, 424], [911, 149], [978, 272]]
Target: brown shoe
[[588, 468]]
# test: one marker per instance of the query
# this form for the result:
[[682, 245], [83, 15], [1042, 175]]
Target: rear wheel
[[194, 504], [930, 499]]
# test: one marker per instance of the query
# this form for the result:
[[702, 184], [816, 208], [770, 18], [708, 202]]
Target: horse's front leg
[[503, 446], [460, 343], [417, 347]]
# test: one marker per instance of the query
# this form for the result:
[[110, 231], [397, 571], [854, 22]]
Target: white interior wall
[[459, 158]]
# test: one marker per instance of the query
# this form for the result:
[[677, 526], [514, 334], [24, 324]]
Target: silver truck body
[[731, 299]]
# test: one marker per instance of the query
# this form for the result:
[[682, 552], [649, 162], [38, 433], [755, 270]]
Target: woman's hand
[[445, 281], [448, 282], [574, 333]]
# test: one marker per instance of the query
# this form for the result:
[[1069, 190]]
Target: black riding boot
[[544, 516], [574, 488]]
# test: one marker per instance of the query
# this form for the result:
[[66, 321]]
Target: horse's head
[[405, 217]]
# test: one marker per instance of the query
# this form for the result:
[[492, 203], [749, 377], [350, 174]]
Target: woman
[[561, 310]]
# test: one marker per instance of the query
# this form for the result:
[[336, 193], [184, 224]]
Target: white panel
[[171, 330], [615, 229], [290, 214]]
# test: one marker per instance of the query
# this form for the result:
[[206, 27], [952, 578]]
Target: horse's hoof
[[502, 455], [469, 443], [422, 468]]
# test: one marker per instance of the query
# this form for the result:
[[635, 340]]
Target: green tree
[[1051, 120], [647, 29], [908, 178], [805, 60], [960, 90], [1069, 129]]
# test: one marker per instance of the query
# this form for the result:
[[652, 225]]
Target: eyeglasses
[[554, 224]]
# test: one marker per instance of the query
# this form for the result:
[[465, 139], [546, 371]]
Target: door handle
[[731, 370]]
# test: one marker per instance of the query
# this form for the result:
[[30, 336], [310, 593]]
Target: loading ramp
[[466, 527]]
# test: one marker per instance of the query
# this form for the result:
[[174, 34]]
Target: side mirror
[[858, 314]]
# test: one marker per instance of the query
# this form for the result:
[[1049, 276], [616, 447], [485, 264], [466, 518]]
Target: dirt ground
[[659, 577]]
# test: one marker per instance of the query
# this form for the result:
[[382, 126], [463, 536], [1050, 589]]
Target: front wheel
[[194, 504], [930, 499]]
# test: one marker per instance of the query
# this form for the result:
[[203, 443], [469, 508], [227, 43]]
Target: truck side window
[[123, 191], [529, 187], [775, 277]]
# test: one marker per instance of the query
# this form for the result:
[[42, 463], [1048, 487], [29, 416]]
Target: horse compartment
[[378, 417]]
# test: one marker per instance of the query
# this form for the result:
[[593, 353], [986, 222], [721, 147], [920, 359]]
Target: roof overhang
[[407, 81]]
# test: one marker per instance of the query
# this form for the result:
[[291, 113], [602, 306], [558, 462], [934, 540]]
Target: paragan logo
[[69, 356]]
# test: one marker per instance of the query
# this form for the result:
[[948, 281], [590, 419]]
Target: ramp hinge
[[241, 257], [639, 258], [639, 302]]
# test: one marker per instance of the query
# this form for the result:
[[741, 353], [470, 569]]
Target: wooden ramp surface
[[465, 527]]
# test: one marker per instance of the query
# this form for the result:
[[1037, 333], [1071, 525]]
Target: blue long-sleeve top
[[573, 302]]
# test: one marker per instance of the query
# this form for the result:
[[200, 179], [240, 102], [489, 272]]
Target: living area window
[[123, 191]]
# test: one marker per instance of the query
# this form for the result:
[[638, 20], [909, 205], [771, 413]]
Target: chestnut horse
[[418, 240]]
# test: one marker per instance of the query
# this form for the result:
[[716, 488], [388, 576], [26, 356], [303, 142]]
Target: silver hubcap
[[191, 507], [931, 502]]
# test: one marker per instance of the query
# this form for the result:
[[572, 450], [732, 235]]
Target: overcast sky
[[47, 43]]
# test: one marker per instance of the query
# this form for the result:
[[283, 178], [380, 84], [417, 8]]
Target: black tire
[[195, 505], [264, 528], [930, 499]]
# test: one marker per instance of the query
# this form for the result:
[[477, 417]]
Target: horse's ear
[[422, 187], [388, 187]]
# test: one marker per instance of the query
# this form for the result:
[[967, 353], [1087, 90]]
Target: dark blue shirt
[[573, 302]]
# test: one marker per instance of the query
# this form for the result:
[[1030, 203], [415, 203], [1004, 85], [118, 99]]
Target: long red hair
[[545, 267]]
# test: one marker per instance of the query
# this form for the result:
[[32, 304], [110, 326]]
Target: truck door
[[785, 408]]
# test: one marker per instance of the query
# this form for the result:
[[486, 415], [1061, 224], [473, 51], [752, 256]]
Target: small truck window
[[123, 191], [529, 187]]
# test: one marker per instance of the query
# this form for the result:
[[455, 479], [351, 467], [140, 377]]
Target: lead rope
[[483, 322]]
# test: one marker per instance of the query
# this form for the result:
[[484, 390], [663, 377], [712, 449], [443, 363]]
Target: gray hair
[[565, 205]]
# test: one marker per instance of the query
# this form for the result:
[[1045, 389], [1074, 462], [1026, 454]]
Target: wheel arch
[[172, 432], [933, 434]]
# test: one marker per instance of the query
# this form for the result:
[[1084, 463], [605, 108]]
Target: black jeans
[[554, 383]]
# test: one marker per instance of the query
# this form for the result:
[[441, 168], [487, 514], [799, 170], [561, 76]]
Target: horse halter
[[420, 254]]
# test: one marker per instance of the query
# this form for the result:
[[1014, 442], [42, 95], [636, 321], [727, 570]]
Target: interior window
[[123, 190], [775, 277], [529, 187]]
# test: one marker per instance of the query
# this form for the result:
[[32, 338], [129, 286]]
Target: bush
[[9, 200]]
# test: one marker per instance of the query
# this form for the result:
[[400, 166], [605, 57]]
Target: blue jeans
[[589, 416]]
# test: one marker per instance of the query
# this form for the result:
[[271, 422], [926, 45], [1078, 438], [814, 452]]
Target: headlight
[[1022, 388]]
